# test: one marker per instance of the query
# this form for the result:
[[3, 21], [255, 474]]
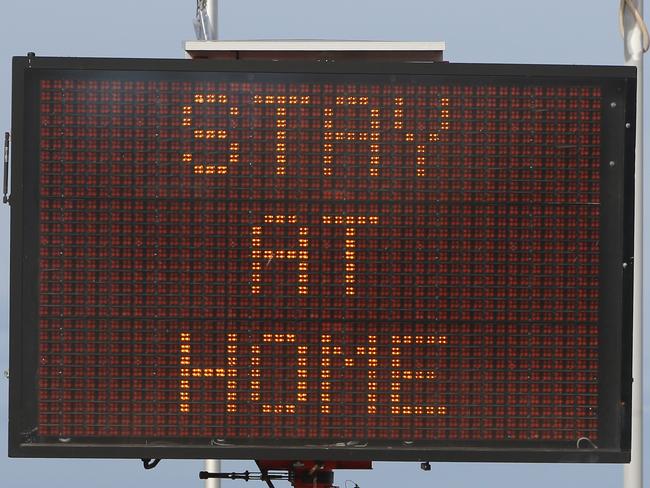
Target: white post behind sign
[[633, 39], [213, 466], [211, 7]]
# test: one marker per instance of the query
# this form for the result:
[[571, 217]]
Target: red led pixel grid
[[319, 260]]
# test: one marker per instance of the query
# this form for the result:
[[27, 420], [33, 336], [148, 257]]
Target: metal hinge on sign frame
[[5, 181]]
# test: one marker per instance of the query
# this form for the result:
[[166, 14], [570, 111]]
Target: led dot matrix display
[[322, 258]]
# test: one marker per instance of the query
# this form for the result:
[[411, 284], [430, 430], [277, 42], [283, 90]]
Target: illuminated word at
[[370, 136], [350, 357], [210, 168], [263, 257]]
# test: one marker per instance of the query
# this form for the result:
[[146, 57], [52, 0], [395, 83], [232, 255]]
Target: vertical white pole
[[211, 7], [633, 472], [213, 466]]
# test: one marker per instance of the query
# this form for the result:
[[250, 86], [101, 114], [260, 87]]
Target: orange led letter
[[399, 373], [262, 258], [211, 136], [281, 102], [350, 223], [421, 147], [255, 373], [187, 372], [332, 135]]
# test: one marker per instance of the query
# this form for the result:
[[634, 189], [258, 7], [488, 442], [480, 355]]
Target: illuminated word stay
[[371, 134]]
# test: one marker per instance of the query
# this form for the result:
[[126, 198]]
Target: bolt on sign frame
[[332, 261]]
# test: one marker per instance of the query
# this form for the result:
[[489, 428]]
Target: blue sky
[[500, 31]]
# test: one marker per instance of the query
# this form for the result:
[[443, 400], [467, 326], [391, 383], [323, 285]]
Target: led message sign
[[385, 262]]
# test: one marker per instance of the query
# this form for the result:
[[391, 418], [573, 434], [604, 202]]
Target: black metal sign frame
[[615, 310]]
